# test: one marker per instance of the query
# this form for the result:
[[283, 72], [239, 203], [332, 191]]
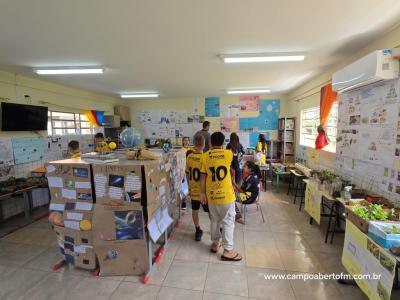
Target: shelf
[[289, 141]]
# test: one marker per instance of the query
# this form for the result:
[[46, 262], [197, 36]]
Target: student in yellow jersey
[[217, 191], [193, 166], [73, 149]]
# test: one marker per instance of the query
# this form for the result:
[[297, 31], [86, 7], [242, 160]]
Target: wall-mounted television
[[21, 117]]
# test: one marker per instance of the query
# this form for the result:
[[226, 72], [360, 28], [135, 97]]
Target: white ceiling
[[171, 46]]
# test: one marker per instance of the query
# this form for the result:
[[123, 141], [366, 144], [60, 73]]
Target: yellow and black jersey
[[193, 167], [216, 164]]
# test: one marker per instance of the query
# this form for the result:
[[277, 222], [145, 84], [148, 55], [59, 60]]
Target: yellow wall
[[307, 95], [56, 97]]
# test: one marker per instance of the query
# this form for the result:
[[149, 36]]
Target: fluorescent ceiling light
[[255, 91], [253, 58], [140, 95], [69, 70]]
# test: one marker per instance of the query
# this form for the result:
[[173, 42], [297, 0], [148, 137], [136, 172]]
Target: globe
[[130, 137]]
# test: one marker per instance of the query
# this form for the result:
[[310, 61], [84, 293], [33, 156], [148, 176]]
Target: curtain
[[328, 97]]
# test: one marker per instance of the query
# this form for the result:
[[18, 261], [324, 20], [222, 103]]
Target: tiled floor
[[285, 243]]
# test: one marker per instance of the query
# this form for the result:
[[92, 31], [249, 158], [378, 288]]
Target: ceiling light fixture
[[255, 91], [254, 58], [139, 95], [69, 70]]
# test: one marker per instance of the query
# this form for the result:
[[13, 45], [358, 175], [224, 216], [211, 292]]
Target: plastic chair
[[257, 203]]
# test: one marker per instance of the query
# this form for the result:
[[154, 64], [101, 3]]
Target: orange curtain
[[328, 97]]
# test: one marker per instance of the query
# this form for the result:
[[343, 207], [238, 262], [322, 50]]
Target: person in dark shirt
[[205, 133], [249, 190], [237, 150]]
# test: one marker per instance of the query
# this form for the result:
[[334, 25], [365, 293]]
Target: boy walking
[[217, 191], [193, 166]]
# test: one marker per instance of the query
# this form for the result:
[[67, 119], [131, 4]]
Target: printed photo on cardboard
[[81, 172], [133, 196], [84, 196], [69, 183], [128, 225], [116, 181]]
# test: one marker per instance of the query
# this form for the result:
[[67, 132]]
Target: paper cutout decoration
[[95, 117]]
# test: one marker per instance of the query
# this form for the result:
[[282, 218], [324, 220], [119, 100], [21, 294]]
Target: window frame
[[77, 124], [331, 128]]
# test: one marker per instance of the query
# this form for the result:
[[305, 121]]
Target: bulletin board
[[368, 138], [248, 116]]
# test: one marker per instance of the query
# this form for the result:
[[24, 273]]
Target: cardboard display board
[[69, 181], [118, 184], [70, 184], [76, 247], [119, 240], [361, 255], [312, 201]]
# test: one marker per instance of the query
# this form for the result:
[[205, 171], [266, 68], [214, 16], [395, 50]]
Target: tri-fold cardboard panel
[[70, 184], [69, 181], [76, 246], [119, 240]]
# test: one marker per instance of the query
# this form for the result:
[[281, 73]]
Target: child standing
[[217, 190], [73, 149], [193, 166], [249, 190]]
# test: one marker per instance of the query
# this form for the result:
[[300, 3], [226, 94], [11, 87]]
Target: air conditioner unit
[[376, 66]]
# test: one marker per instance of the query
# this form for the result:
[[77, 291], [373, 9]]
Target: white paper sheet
[[100, 184], [75, 216], [55, 181], [83, 206], [133, 183], [6, 152], [115, 192], [82, 185], [68, 194], [72, 225], [56, 206]]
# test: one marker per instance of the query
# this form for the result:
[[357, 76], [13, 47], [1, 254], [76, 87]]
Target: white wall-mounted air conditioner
[[376, 66]]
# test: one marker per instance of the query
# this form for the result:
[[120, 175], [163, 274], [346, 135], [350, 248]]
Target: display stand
[[133, 200], [286, 139]]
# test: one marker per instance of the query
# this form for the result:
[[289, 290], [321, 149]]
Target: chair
[[257, 203]]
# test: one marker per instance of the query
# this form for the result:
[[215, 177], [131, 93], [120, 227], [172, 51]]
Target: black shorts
[[196, 205]]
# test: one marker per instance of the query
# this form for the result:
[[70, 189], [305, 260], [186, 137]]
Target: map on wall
[[266, 120]]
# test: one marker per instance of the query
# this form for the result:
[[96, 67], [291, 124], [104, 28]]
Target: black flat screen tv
[[21, 117]]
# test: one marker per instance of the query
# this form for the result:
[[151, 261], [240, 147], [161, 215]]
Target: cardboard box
[[359, 222], [119, 240], [77, 247], [122, 258], [113, 223], [69, 181], [118, 184]]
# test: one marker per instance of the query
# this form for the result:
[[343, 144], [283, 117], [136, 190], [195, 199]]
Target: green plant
[[372, 212], [393, 230]]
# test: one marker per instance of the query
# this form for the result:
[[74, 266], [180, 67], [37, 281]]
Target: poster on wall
[[229, 111], [266, 120], [27, 149], [249, 103], [212, 108], [229, 125]]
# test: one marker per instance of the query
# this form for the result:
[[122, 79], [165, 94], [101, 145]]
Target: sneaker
[[198, 235], [183, 206]]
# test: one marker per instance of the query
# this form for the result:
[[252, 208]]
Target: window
[[61, 123], [309, 123]]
